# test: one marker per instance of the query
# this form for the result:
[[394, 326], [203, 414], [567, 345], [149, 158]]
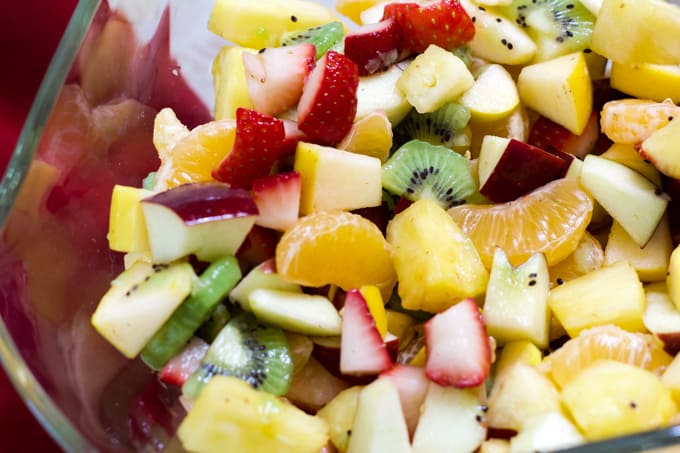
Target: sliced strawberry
[[411, 383], [293, 135], [458, 347], [444, 23], [362, 349], [179, 368], [278, 200], [552, 137], [258, 144], [374, 47], [275, 76], [329, 99]]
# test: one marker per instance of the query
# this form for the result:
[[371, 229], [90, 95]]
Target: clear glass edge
[[34, 396]]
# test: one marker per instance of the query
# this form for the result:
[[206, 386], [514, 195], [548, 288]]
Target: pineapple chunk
[[515, 352], [376, 307], [339, 414], [609, 295], [611, 398], [434, 78], [229, 80], [229, 415], [437, 265], [127, 229]]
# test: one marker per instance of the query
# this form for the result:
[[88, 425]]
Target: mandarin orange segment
[[550, 220], [587, 257], [168, 130], [605, 342], [371, 135], [630, 121], [338, 248]]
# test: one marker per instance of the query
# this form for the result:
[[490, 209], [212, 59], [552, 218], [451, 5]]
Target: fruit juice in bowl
[[440, 226]]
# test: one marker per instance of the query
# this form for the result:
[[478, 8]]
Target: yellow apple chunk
[[627, 155], [229, 81], [647, 81], [493, 96], [661, 149], [127, 229], [559, 89]]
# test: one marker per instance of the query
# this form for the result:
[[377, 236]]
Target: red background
[[29, 33]]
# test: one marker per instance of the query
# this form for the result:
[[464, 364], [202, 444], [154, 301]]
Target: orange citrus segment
[[550, 220], [605, 342], [354, 8], [587, 257], [630, 121], [194, 156], [371, 135], [167, 131], [338, 248]]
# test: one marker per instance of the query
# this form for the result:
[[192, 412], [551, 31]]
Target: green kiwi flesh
[[558, 27], [445, 126], [219, 318], [324, 37], [248, 350], [420, 170]]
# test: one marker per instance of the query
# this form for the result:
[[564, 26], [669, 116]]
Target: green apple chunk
[[516, 303], [262, 276], [661, 149], [630, 198], [139, 301], [493, 96]]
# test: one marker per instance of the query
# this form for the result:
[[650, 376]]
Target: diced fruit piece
[[436, 263], [648, 24], [546, 432], [261, 24], [564, 211], [229, 81], [495, 445], [296, 312], [493, 96], [522, 393], [324, 37], [127, 230], [662, 317], [379, 91], [660, 149], [446, 126], [339, 414], [167, 131], [516, 126], [516, 352], [258, 144], [135, 307], [650, 261], [370, 135], [362, 350], [376, 306], [379, 425], [314, 386], [402, 326], [275, 76], [230, 415], [516, 301], [587, 257], [497, 38], [443, 23], [337, 248], [301, 347], [213, 285], [328, 104], [179, 368], [509, 169], [355, 8], [434, 78], [604, 342], [554, 138], [630, 198], [373, 48], [259, 246], [559, 89], [458, 348], [412, 385], [209, 220], [630, 121], [277, 198], [673, 278], [263, 276], [609, 295], [627, 155], [334, 179], [611, 398], [456, 412], [647, 81]]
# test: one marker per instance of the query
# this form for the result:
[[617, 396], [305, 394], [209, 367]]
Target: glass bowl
[[90, 128]]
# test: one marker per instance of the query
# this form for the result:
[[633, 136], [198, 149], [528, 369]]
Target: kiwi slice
[[446, 126], [248, 350], [214, 284], [420, 170], [219, 318], [324, 37], [558, 27]]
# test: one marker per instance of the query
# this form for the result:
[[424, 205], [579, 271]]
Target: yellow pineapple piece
[[609, 295], [127, 228], [376, 306], [611, 398], [647, 81], [230, 415], [516, 352], [339, 414], [436, 264], [401, 325], [420, 358], [354, 8], [229, 81]]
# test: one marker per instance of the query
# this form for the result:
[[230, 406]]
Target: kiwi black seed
[[558, 27], [324, 37], [419, 170], [446, 126], [248, 350]]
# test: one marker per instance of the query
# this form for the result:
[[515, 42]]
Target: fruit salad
[[442, 226]]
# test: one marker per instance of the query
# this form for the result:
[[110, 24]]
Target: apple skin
[[209, 220], [521, 169]]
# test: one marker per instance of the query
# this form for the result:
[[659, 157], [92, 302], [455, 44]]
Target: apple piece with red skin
[[209, 220], [411, 383], [258, 246], [556, 139]]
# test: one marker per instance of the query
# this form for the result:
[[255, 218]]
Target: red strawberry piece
[[362, 350], [278, 200], [329, 99], [444, 23], [458, 347], [553, 138], [411, 383], [374, 47], [275, 76], [258, 144], [293, 135], [179, 368]]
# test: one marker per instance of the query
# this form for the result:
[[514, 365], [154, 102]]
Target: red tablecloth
[[29, 33]]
